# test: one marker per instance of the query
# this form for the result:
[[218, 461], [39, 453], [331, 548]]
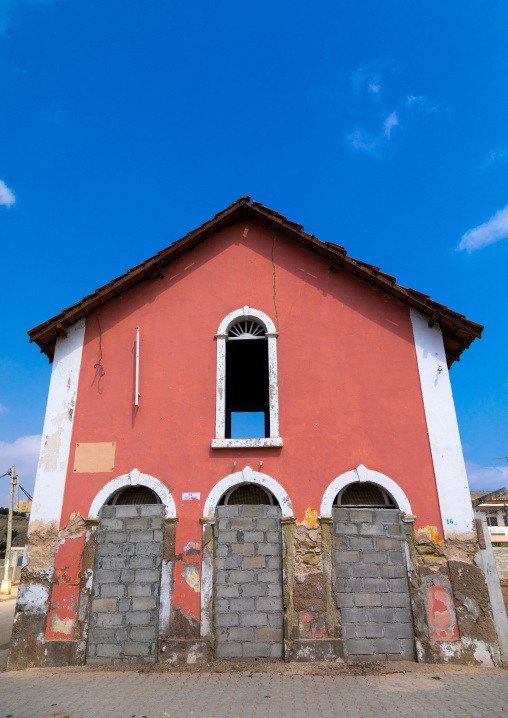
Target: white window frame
[[220, 441]]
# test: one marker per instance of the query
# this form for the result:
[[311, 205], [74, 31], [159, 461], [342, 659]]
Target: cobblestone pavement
[[61, 694]]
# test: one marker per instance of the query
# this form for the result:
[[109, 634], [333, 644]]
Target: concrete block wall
[[248, 582], [501, 556], [124, 613], [371, 587]]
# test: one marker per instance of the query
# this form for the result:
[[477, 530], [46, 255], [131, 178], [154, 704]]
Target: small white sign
[[188, 497]]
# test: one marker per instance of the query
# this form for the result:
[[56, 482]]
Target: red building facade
[[348, 373]]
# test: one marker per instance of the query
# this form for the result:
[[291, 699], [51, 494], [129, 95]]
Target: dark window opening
[[247, 389], [492, 521], [250, 494], [134, 495], [365, 494]]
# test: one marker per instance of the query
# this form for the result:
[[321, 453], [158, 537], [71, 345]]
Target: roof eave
[[458, 331]]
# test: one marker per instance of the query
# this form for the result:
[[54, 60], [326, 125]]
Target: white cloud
[[373, 144], [391, 121], [3, 409], [487, 233], [9, 8], [6, 195], [488, 478], [421, 102], [498, 155], [361, 140], [367, 77], [24, 454]]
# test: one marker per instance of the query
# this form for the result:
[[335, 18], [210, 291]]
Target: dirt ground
[[266, 666]]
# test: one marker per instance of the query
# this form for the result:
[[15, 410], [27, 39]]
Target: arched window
[[247, 404], [364, 494], [250, 494], [134, 495]]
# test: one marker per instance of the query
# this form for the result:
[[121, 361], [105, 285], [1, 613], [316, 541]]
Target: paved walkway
[[59, 694]]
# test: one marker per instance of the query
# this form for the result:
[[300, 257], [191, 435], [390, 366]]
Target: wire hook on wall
[[99, 369]]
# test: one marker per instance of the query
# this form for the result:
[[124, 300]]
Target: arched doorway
[[126, 601], [247, 567], [369, 556]]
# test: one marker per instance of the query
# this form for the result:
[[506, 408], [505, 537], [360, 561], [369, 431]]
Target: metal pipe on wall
[[136, 388]]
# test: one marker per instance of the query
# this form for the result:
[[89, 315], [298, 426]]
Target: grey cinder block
[[359, 646], [242, 604], [268, 549], [361, 543], [255, 589], [136, 523], [257, 649], [269, 604], [126, 511], [144, 604], [342, 528], [228, 650], [366, 570], [224, 591], [227, 619]]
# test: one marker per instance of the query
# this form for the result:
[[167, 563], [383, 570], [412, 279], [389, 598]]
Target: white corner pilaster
[[449, 468], [56, 434]]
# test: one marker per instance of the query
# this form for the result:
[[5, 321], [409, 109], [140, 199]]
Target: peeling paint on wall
[[191, 575], [311, 519], [441, 616]]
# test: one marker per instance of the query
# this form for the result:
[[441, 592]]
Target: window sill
[[245, 443]]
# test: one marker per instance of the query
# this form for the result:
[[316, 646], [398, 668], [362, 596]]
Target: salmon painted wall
[[349, 389]]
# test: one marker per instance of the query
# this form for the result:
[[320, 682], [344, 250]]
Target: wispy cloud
[[24, 454], [487, 233], [368, 77], [3, 409], [8, 8], [498, 155], [488, 478], [370, 80], [361, 140], [421, 102], [373, 143], [391, 121], [6, 195]]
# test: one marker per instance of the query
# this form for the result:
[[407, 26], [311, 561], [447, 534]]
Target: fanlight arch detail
[[362, 474], [247, 475], [134, 478]]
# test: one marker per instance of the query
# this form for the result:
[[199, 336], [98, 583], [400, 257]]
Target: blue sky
[[380, 126]]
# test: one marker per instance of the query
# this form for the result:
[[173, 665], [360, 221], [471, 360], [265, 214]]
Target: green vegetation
[[4, 511]]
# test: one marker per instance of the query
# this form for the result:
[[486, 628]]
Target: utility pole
[[5, 588]]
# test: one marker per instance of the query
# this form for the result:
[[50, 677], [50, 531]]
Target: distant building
[[495, 512], [334, 524]]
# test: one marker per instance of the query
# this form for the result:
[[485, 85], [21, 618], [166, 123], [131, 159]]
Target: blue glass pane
[[247, 424]]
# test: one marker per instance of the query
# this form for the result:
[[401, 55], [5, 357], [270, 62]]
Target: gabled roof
[[458, 332]]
